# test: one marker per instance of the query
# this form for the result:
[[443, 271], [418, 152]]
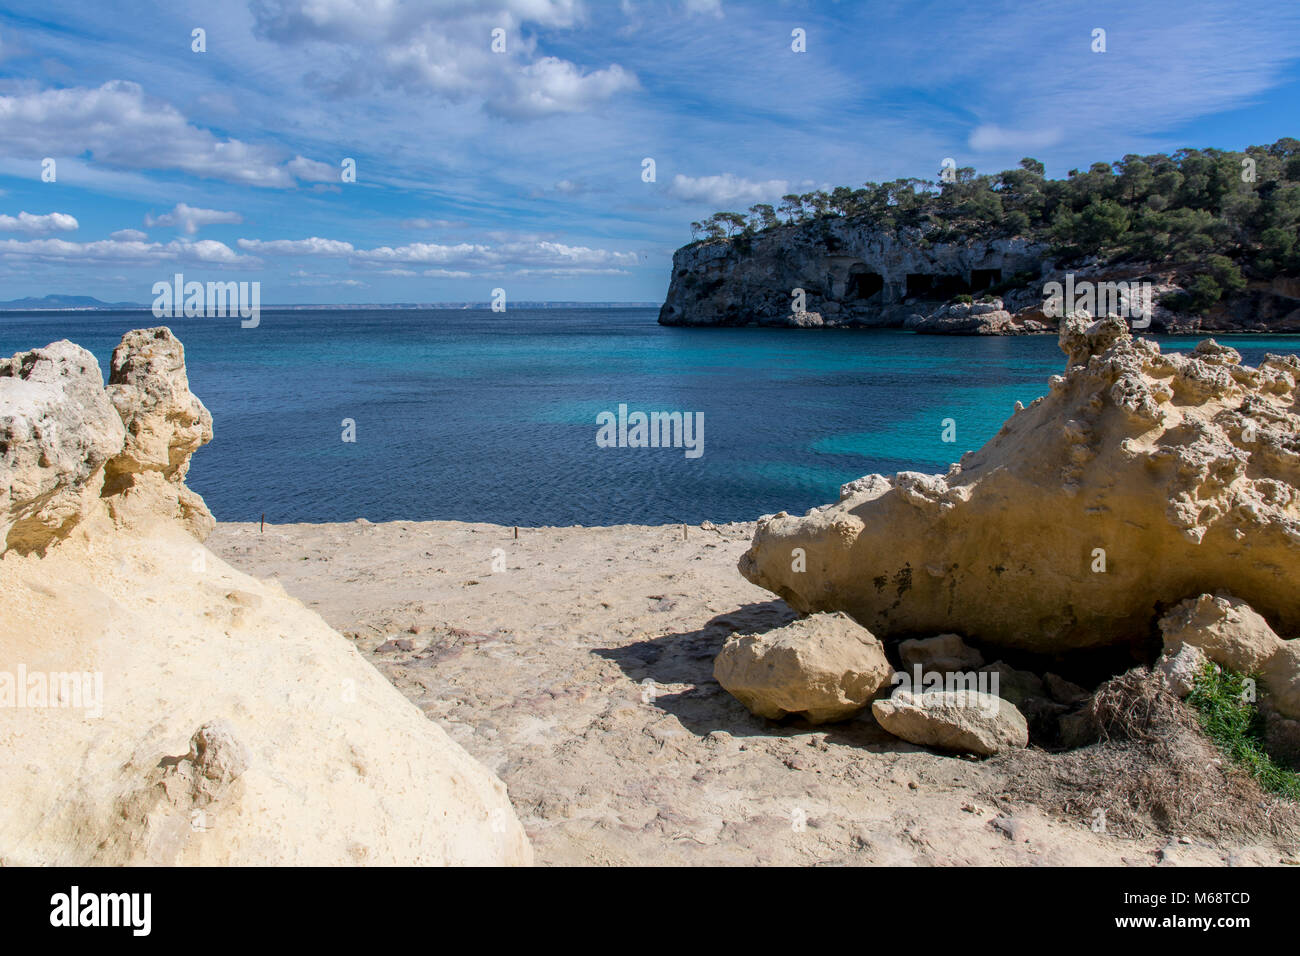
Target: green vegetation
[[1225, 704], [1219, 215]]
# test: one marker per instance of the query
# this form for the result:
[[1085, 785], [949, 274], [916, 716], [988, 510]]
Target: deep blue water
[[482, 416]]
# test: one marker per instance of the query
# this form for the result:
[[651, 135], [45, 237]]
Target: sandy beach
[[580, 671]]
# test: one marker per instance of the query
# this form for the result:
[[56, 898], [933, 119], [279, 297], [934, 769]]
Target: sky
[[525, 168]]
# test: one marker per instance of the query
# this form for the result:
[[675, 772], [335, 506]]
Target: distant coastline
[[82, 303]]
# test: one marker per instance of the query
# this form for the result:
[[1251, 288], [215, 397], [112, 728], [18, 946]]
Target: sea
[[474, 415]]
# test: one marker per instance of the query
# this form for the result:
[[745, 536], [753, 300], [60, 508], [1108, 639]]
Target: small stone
[[946, 654]]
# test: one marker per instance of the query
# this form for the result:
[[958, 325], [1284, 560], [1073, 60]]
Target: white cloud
[[122, 127], [119, 126], [726, 188], [128, 235], [297, 247], [118, 250], [451, 261], [311, 171], [443, 47], [190, 219], [552, 85], [43, 225]]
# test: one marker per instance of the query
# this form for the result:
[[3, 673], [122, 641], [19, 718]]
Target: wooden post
[[262, 530]]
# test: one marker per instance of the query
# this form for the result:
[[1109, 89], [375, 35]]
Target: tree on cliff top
[[1243, 207]]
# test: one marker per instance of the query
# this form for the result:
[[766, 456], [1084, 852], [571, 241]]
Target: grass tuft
[[1224, 702]]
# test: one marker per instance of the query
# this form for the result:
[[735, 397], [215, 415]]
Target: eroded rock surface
[[160, 707], [57, 432], [1140, 479]]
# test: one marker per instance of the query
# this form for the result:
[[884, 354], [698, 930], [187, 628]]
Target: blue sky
[[523, 170]]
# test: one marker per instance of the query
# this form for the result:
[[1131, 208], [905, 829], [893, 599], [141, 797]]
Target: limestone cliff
[[852, 273]]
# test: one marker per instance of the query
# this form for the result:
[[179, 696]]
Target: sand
[[577, 663]]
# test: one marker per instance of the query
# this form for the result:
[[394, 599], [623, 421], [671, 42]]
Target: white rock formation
[[824, 668], [57, 432], [157, 706], [1140, 479]]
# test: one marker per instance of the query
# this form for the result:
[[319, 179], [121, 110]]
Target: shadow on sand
[[686, 657]]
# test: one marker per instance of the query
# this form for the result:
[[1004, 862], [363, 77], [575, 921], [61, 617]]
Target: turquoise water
[[482, 416]]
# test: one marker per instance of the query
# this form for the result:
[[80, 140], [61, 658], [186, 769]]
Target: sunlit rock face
[[1141, 479]]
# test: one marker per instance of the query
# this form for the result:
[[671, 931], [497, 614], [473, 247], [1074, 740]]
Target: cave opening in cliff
[[923, 285], [981, 279], [945, 287], [863, 285]]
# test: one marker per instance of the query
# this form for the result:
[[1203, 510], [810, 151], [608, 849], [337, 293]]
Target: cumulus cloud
[[128, 235], [118, 125], [190, 219], [443, 47], [552, 85], [61, 251], [33, 225], [725, 189]]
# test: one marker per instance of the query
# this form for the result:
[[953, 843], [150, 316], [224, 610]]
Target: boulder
[[1233, 635], [823, 668], [57, 432], [1181, 667], [946, 654], [965, 721], [1044, 539]]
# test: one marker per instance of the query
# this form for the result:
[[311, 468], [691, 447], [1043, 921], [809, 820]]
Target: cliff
[[852, 273], [856, 274]]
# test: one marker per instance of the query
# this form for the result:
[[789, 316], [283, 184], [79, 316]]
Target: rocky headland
[[854, 274], [1208, 235]]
